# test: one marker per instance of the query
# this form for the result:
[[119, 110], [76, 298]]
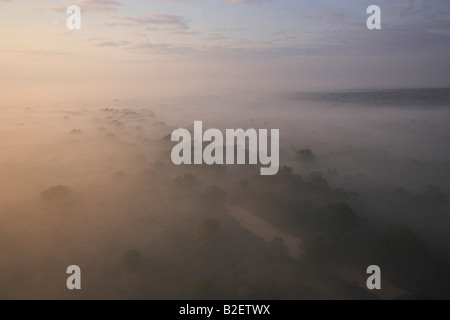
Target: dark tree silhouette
[[55, 193], [305, 155]]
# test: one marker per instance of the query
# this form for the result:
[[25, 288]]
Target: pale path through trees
[[265, 230]]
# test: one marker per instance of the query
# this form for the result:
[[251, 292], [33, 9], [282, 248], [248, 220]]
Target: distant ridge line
[[381, 97]]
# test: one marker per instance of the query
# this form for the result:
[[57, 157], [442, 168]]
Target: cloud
[[164, 48], [92, 6], [217, 36], [168, 21], [36, 9], [112, 43], [38, 53], [233, 2]]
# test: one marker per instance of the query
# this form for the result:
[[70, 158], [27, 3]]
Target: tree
[[318, 183], [206, 229], [214, 196], [186, 180], [132, 260], [278, 247], [398, 244], [55, 193], [340, 216], [305, 155]]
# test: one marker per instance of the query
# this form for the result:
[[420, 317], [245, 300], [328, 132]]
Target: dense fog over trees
[[363, 180]]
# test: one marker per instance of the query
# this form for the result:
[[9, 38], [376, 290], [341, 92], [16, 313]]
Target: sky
[[138, 48]]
